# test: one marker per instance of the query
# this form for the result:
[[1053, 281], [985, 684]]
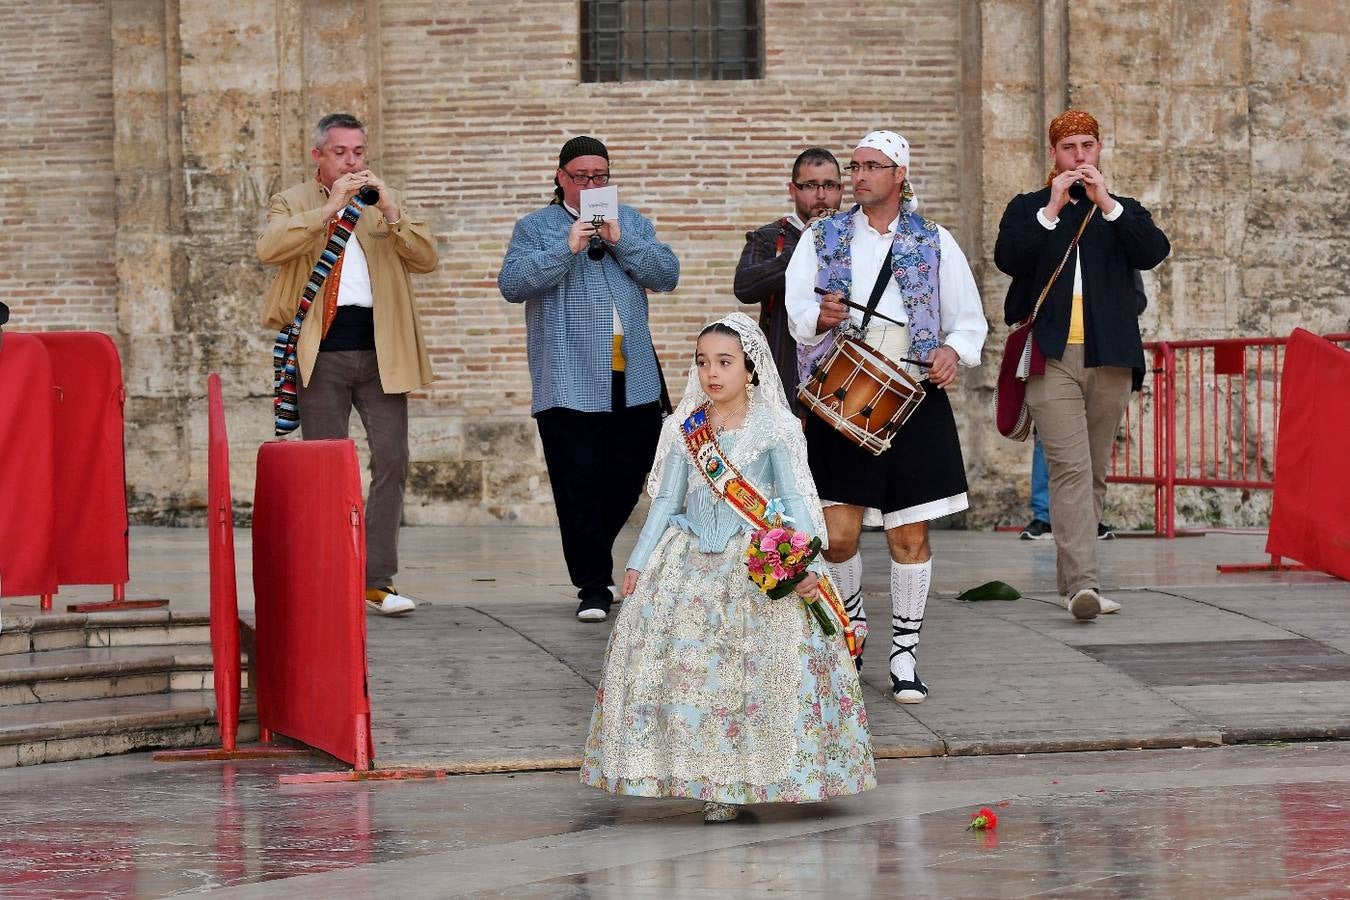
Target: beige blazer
[[295, 235]]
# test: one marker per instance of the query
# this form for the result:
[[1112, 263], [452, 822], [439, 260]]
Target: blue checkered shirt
[[569, 300]]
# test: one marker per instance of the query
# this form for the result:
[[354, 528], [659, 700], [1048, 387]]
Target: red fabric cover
[[1310, 517], [90, 488], [309, 576], [220, 548], [27, 512]]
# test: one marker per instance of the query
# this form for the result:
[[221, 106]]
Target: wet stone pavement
[[1235, 682], [1253, 821]]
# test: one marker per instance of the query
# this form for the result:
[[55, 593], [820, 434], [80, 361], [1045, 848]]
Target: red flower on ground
[[984, 819]]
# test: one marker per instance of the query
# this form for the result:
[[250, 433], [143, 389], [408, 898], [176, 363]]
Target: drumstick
[[860, 308]]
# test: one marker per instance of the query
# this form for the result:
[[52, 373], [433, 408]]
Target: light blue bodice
[[685, 501]]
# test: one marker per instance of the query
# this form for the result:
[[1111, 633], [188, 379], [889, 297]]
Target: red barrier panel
[[220, 549], [90, 488], [1310, 519], [309, 560], [1207, 418], [27, 511]]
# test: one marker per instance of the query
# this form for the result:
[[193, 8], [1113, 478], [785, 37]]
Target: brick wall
[[57, 258]]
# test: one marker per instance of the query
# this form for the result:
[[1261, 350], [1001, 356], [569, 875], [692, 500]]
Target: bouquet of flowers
[[777, 559]]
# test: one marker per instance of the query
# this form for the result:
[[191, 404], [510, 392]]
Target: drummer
[[928, 310]]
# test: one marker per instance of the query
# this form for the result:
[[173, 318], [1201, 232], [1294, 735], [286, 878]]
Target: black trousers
[[598, 463]]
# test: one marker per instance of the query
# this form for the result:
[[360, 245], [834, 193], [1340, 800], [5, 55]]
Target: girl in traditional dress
[[711, 690]]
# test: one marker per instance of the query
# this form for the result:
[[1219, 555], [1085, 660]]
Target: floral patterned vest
[[915, 258]]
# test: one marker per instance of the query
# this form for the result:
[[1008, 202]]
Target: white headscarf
[[891, 145], [895, 148], [769, 422]]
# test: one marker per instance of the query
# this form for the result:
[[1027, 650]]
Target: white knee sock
[[909, 596], [847, 577]]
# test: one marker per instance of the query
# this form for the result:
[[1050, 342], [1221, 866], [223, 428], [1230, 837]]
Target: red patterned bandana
[[1067, 124]]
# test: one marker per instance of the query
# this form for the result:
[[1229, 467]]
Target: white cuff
[[1115, 213], [1045, 223]]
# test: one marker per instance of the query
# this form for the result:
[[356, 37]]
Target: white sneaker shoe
[[1085, 605], [1108, 606], [388, 601]]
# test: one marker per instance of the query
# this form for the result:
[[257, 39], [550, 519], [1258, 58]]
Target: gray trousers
[[343, 379], [1077, 411]]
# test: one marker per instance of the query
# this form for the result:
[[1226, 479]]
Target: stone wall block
[[515, 439], [1214, 49], [156, 439], [437, 481], [149, 365], [433, 436], [1199, 296], [1302, 110], [141, 264], [514, 482], [1215, 117], [1117, 37], [1295, 163]]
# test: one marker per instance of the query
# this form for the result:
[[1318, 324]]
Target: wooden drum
[[861, 394]]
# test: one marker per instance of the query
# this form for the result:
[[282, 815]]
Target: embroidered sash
[[727, 483], [284, 368]]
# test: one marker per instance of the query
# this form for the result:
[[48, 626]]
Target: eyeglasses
[[811, 187], [870, 168], [601, 180]]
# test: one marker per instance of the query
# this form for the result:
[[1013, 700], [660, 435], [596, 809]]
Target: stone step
[[57, 631], [36, 733], [87, 673]]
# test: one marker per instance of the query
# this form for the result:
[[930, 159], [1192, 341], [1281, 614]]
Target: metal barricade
[[1208, 418]]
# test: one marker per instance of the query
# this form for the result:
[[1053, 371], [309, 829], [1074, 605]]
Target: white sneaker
[[1108, 606], [388, 601], [1085, 605]]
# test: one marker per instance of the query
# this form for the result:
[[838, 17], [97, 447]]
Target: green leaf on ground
[[990, 590]]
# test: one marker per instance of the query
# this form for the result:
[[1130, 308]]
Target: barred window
[[661, 40]]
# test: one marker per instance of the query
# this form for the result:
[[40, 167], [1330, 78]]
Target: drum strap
[[883, 276]]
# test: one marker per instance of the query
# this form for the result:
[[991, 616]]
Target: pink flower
[[780, 573], [799, 540]]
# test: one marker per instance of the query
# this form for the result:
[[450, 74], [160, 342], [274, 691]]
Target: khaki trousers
[[342, 379], [1077, 411]]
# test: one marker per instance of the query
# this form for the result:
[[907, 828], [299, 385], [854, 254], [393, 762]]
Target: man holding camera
[[596, 382], [361, 345]]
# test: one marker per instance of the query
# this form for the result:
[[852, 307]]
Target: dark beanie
[[4, 313], [581, 146]]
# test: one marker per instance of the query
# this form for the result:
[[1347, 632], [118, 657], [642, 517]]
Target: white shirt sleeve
[[959, 301], [800, 297]]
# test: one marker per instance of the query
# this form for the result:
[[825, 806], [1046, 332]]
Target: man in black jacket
[[1087, 328], [815, 191]]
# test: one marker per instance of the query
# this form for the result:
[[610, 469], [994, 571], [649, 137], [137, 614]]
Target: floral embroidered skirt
[[712, 691]]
